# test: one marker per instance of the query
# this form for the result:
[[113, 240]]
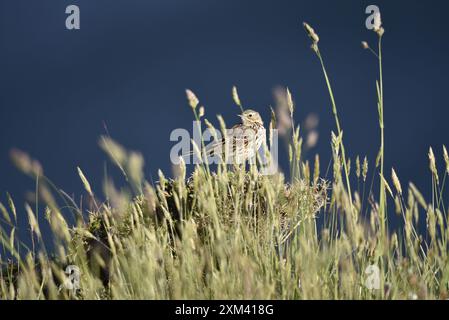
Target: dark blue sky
[[131, 61]]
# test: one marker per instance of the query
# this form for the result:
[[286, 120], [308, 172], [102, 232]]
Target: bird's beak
[[240, 115]]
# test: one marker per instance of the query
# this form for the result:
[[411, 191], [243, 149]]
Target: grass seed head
[[377, 24], [446, 159], [86, 183], [25, 163], [381, 32], [311, 122], [312, 139], [316, 169], [357, 167], [193, 100], [32, 221], [311, 33], [396, 182], [432, 164], [387, 185], [201, 112], [235, 96], [365, 168], [291, 106], [283, 118]]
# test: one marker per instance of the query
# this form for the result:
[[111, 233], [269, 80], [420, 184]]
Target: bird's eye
[[250, 115]]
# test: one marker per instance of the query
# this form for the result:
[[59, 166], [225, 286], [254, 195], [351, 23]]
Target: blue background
[[131, 61]]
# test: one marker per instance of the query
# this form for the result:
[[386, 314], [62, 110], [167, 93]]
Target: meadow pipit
[[241, 142]]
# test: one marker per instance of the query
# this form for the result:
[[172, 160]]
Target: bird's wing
[[236, 136]]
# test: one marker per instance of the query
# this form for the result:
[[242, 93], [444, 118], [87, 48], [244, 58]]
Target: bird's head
[[250, 117]]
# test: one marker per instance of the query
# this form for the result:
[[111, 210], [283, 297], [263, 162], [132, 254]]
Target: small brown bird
[[242, 141]]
